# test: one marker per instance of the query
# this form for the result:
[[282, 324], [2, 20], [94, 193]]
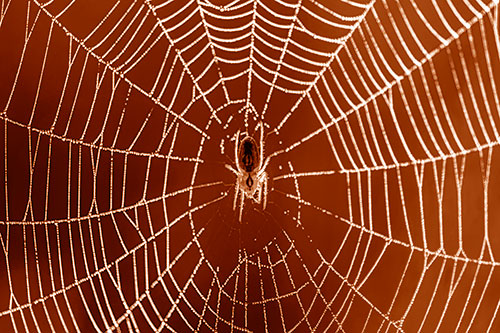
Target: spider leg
[[236, 146], [259, 195], [264, 185], [261, 152], [241, 204], [262, 169], [236, 192], [230, 168]]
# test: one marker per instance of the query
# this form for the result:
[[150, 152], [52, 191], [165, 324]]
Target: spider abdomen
[[248, 154]]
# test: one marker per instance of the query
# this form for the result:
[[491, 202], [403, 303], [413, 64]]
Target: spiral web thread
[[404, 93]]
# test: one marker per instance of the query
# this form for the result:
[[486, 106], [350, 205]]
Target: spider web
[[381, 123]]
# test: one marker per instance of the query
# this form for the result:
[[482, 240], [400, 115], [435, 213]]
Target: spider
[[251, 176]]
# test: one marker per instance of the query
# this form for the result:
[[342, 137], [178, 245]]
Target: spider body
[[248, 153], [250, 171]]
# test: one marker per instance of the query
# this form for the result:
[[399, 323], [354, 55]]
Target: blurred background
[[380, 125]]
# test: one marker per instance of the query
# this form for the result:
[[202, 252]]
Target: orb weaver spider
[[251, 176]]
